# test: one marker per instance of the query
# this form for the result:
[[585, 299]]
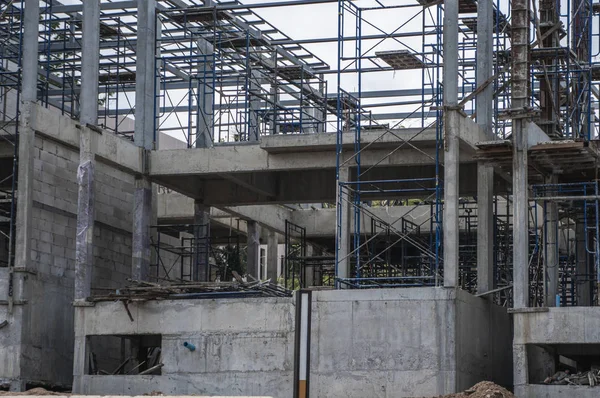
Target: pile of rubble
[[484, 389], [589, 378]]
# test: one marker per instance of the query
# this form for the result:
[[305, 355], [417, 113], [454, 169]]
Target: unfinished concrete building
[[368, 198]]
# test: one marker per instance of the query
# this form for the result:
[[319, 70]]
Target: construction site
[[294, 198]]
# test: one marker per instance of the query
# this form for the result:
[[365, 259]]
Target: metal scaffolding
[[225, 74]]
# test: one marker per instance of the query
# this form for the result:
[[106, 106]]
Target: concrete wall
[[548, 326], [370, 343], [383, 343], [484, 338], [40, 332], [242, 346]]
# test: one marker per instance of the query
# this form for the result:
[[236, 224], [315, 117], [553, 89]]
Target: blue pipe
[[189, 346]]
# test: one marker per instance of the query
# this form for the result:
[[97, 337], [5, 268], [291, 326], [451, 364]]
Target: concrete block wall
[[45, 339]]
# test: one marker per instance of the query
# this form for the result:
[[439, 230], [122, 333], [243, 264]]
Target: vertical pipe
[[451, 143]]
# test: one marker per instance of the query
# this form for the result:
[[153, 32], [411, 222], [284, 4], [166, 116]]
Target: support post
[[200, 268], [253, 248], [144, 136], [254, 91], [520, 187], [551, 251], [272, 257], [343, 229], [451, 143], [206, 97], [583, 274], [90, 59], [140, 243], [485, 172], [26, 134]]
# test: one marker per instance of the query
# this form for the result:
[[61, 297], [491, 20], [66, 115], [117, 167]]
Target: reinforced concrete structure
[[378, 199]]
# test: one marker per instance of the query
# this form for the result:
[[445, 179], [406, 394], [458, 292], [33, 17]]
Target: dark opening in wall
[[124, 355], [564, 364]]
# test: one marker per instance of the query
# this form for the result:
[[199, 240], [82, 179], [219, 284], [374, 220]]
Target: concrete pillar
[[254, 106], [272, 257], [145, 75], [253, 248], [200, 268], [206, 96], [344, 216], [144, 136], [140, 243], [485, 172], [26, 134], [90, 58], [551, 253], [309, 275], [485, 228], [451, 144], [520, 95], [583, 282]]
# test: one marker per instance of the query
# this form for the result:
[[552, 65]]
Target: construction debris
[[589, 378], [484, 389], [143, 291]]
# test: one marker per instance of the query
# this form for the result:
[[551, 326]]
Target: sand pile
[[484, 389]]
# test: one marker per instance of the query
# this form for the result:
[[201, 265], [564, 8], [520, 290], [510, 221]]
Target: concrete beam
[[109, 148]]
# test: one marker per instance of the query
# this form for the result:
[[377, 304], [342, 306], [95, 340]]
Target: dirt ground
[[485, 389], [33, 391]]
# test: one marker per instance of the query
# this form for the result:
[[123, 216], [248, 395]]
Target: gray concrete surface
[[371, 343], [547, 327]]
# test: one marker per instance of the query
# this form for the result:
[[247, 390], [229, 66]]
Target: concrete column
[[343, 230], [485, 173], [26, 134], [254, 106], [309, 279], [144, 137], [142, 210], [90, 58], [145, 75], [252, 266], [520, 95], [272, 257], [551, 252], [206, 95], [451, 144], [485, 228], [200, 269], [583, 283]]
